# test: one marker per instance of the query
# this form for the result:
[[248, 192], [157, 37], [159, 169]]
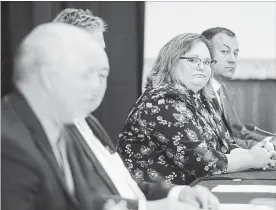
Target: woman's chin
[[200, 83]]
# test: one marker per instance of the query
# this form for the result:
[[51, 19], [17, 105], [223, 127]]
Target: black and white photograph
[[138, 105]]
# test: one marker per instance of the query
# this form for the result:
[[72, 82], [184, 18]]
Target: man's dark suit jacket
[[231, 118], [31, 179]]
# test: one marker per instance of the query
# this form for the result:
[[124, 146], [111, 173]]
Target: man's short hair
[[82, 19], [211, 32]]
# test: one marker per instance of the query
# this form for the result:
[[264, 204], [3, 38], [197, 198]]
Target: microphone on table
[[253, 128], [246, 132]]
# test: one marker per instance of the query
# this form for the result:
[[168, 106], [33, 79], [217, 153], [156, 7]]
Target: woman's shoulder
[[165, 92]]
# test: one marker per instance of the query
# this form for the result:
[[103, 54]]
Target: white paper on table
[[245, 188], [244, 207]]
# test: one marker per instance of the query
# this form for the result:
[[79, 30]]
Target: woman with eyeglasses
[[173, 131]]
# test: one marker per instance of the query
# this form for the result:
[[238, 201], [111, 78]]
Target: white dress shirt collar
[[216, 85], [112, 164]]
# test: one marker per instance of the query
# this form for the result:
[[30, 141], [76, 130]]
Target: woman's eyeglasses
[[195, 62]]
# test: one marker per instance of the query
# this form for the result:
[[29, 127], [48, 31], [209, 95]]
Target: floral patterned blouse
[[175, 135]]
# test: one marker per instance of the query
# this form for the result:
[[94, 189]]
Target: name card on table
[[244, 207], [245, 188]]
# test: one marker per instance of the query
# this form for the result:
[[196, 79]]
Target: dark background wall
[[124, 41]]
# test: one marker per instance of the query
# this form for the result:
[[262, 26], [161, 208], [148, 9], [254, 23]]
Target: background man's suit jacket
[[31, 178], [231, 118]]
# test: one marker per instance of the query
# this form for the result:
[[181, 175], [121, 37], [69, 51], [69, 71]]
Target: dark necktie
[[217, 106], [221, 98]]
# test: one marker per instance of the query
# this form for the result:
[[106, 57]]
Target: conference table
[[252, 186]]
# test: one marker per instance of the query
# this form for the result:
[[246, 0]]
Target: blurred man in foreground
[[60, 74]]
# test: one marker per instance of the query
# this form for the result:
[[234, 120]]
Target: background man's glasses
[[195, 62]]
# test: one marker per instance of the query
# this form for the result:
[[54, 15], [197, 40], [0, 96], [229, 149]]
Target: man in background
[[85, 20], [225, 51]]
